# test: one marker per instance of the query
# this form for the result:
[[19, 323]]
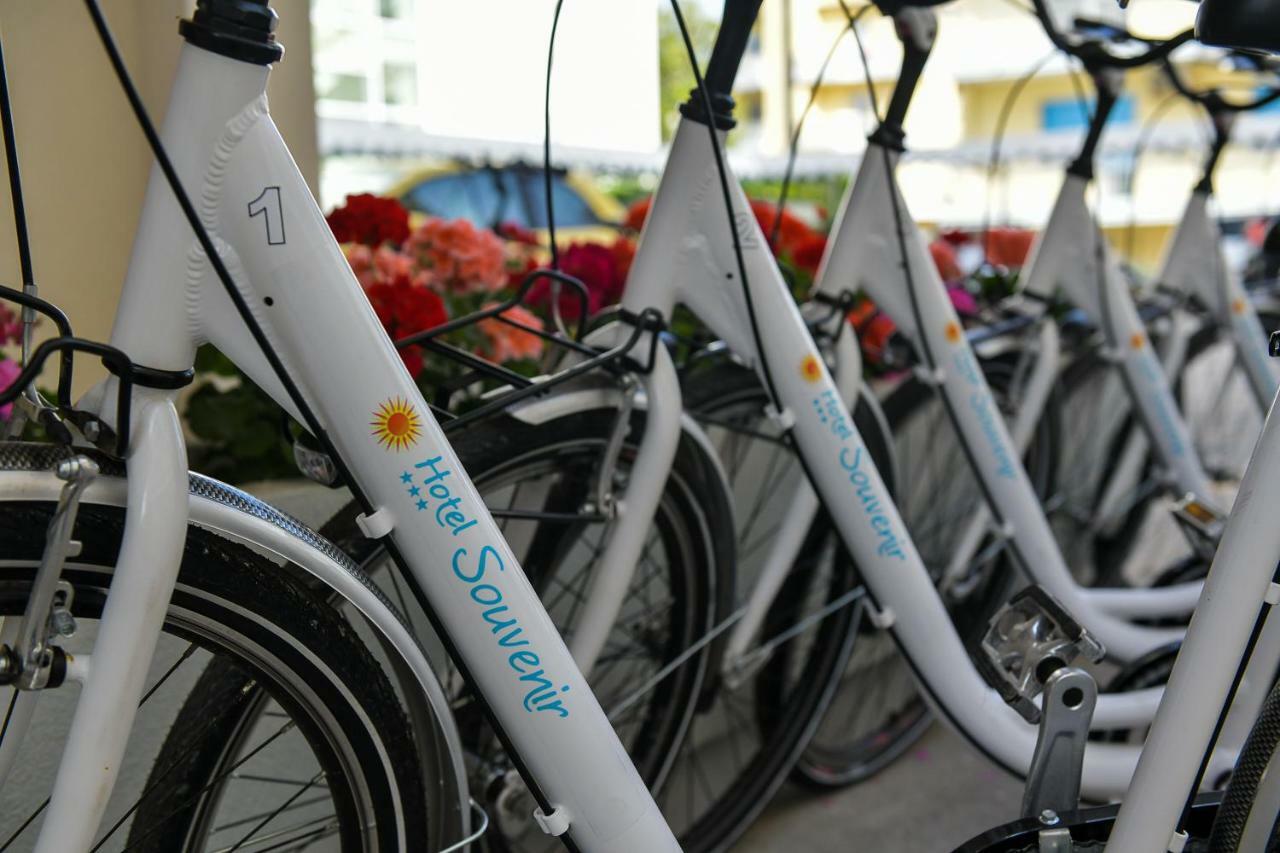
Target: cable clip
[[376, 525], [554, 824], [786, 419]]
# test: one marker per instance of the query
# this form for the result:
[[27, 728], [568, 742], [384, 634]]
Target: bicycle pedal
[[1029, 639], [1200, 523]]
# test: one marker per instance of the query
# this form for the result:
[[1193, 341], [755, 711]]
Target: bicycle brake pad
[[1027, 640]]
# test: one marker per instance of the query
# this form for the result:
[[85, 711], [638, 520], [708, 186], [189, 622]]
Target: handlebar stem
[[1108, 83], [917, 29], [1224, 120], [731, 45]]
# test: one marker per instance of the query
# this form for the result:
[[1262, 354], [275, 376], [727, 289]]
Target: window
[[394, 8], [400, 84], [1063, 114], [331, 86]]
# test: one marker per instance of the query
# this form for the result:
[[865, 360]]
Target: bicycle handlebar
[[1093, 52], [1212, 99]]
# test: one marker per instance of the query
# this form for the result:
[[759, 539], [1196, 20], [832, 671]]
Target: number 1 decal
[[269, 206]]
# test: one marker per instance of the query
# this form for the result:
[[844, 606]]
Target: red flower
[[637, 213], [10, 326], [807, 253], [517, 233], [624, 252], [597, 267], [369, 219], [404, 309], [944, 258], [1009, 247], [791, 232]]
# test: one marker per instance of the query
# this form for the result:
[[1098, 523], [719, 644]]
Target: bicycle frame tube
[[1194, 266], [1072, 255], [866, 252], [141, 586], [1239, 580], [260, 213], [685, 257]]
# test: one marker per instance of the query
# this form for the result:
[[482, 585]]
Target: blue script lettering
[[865, 488], [541, 694]]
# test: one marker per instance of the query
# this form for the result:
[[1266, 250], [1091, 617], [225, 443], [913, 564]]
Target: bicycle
[[222, 265]]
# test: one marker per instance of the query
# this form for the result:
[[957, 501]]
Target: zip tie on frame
[[1273, 593], [554, 824], [377, 524], [882, 619], [785, 418]]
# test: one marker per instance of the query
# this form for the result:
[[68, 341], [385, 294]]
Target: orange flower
[[637, 213], [457, 257], [505, 343], [1009, 247]]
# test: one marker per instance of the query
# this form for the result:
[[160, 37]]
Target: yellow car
[[489, 196]]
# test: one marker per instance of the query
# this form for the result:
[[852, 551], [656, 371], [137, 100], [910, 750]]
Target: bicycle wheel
[[552, 469], [1249, 817], [729, 401], [275, 747], [756, 719]]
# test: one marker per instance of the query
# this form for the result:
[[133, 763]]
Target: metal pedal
[[1200, 523], [1029, 639]]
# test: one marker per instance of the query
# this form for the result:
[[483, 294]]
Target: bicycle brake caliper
[[35, 662]]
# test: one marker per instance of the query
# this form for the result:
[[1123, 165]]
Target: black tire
[[729, 396], [783, 709], [267, 642], [693, 566], [1250, 810]]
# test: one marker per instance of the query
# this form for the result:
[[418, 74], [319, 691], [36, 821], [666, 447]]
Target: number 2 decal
[[269, 206]]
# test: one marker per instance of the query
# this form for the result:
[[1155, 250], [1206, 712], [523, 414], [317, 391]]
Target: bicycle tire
[[1250, 809], [275, 641], [692, 515]]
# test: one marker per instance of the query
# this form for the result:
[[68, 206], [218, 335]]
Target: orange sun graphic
[[396, 424], [1237, 307], [953, 333], [811, 369], [1137, 339]]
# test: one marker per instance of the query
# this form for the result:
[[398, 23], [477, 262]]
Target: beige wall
[[84, 163]]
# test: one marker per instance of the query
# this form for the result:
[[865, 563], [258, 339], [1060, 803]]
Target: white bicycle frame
[[685, 256], [287, 266]]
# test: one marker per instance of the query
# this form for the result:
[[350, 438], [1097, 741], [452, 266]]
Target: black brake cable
[[1145, 135], [794, 147], [727, 194], [546, 145], [295, 395], [189, 213], [19, 207], [997, 145]]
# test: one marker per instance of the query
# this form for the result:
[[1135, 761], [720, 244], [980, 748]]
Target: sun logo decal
[[1237, 306], [395, 424], [1137, 340], [811, 368], [953, 332]]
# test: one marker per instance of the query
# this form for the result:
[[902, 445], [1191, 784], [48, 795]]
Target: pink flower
[[10, 326], [457, 257], [9, 371], [507, 343], [360, 257], [963, 301]]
